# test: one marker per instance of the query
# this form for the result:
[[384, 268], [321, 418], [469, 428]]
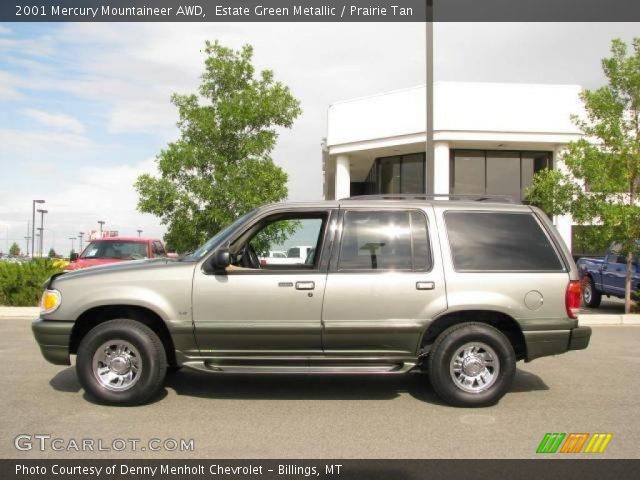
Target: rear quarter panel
[[536, 300]]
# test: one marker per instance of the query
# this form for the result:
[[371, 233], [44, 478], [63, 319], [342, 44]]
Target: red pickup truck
[[117, 249]]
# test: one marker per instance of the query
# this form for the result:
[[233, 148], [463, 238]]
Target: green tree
[[52, 253], [220, 167], [606, 160], [14, 249]]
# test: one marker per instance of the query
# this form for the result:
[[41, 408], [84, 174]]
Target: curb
[[20, 312], [596, 320]]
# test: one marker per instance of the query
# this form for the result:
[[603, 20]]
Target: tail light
[[573, 298]]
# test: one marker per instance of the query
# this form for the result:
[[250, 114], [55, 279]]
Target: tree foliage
[[220, 167], [52, 253], [14, 249], [21, 283], [600, 184]]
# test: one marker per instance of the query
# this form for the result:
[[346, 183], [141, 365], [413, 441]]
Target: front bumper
[[554, 342], [53, 337]]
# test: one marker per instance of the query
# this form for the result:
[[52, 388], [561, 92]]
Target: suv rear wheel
[[471, 365], [121, 362]]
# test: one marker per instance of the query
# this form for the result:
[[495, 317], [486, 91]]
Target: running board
[[302, 369]]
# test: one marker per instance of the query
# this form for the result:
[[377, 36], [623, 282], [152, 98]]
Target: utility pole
[[41, 212], [80, 234], [101, 223], [429, 147], [33, 227], [139, 232], [73, 239], [27, 238]]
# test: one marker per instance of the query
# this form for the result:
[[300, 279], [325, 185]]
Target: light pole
[[73, 239], [429, 147], [42, 212], [39, 235], [101, 223], [139, 232], [33, 227], [80, 234]]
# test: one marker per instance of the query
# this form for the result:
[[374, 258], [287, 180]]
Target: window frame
[[334, 266], [545, 231], [324, 243]]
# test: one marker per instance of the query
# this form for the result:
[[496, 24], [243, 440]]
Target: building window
[[497, 172], [398, 174]]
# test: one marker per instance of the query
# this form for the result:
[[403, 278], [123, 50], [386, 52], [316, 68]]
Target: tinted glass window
[[499, 241], [421, 250], [281, 234], [384, 241]]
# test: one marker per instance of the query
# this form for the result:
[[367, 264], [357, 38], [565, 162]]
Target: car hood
[[128, 268]]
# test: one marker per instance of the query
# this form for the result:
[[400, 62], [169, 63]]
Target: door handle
[[425, 285], [305, 285]]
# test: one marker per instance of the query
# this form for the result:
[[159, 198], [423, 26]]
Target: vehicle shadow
[[320, 387], [297, 387], [66, 381]]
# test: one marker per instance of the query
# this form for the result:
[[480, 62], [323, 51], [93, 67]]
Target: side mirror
[[220, 260], [73, 257]]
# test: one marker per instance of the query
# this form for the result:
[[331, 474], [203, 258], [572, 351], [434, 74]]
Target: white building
[[489, 138]]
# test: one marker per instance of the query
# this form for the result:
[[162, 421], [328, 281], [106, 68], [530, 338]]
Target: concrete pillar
[[343, 177], [563, 223], [441, 168]]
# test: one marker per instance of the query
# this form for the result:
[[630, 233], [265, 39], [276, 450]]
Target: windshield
[[219, 237], [120, 250]]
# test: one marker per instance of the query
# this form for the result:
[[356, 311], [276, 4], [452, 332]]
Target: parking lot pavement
[[595, 390], [608, 306]]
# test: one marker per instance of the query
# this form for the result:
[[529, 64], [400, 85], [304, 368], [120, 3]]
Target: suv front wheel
[[121, 362], [471, 365]]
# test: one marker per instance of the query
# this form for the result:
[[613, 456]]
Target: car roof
[[124, 239], [483, 203]]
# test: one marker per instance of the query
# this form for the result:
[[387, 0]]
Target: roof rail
[[435, 196]]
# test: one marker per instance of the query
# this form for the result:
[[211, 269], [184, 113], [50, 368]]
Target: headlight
[[51, 300]]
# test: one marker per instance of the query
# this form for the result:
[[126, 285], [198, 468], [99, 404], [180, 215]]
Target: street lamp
[[139, 232], [33, 226], [101, 222], [80, 234], [429, 147], [42, 212], [73, 239]]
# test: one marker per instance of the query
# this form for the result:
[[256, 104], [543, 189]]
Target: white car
[[297, 254]]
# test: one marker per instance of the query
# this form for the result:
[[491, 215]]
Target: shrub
[[21, 283]]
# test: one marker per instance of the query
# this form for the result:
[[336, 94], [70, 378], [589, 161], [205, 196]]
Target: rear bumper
[[554, 342], [579, 338], [53, 337]]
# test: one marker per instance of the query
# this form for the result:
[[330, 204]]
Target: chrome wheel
[[587, 293], [117, 365], [474, 367]]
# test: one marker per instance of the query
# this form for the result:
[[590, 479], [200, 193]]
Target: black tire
[[590, 296], [152, 357], [445, 348]]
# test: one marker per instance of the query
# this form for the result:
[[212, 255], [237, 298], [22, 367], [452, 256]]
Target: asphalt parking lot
[[595, 390], [608, 306]]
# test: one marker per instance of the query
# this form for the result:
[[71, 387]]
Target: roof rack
[[435, 196]]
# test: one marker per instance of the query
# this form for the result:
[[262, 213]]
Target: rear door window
[[499, 241], [384, 240]]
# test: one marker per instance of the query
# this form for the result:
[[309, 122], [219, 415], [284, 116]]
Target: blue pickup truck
[[606, 276]]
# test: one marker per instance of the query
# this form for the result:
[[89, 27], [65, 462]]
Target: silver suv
[[459, 289]]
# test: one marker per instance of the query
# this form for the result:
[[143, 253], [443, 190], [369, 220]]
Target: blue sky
[[84, 108]]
